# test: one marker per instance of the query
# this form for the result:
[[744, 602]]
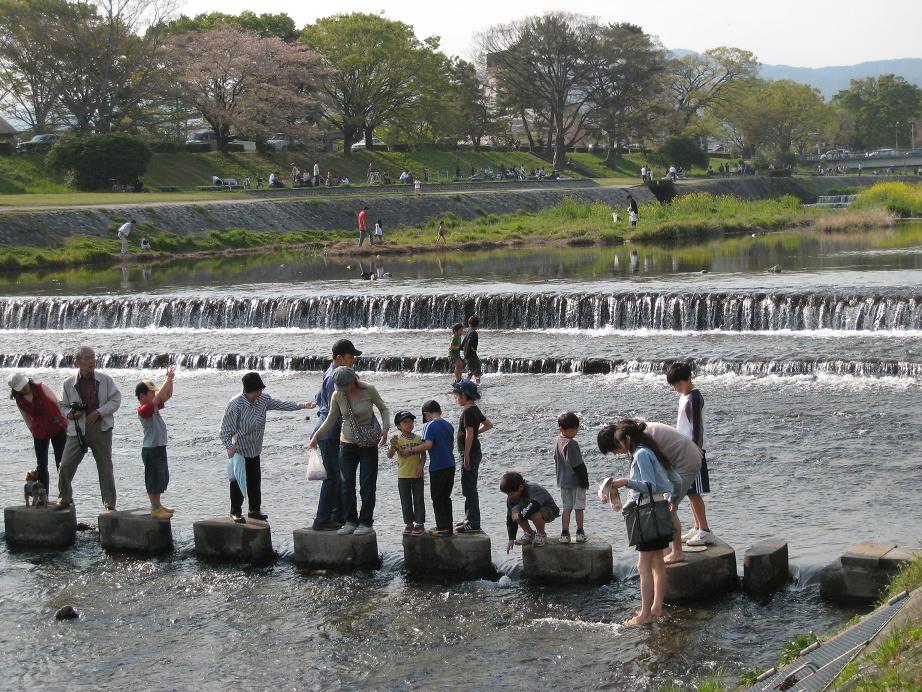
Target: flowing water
[[811, 378]]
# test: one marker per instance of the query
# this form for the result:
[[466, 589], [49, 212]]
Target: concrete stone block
[[329, 550], [703, 575], [832, 582], [895, 559], [135, 531], [765, 567], [866, 555], [462, 556], [40, 527], [222, 540], [864, 585], [589, 562]]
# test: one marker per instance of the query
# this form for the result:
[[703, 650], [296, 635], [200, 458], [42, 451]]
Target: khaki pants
[[100, 442]]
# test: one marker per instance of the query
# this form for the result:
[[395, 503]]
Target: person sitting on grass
[[527, 505]]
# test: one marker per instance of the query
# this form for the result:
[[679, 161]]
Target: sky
[[802, 33]]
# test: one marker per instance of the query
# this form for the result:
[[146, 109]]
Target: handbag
[[648, 522], [364, 434], [315, 468]]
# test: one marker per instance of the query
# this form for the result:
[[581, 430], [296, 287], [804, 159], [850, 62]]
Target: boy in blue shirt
[[438, 438]]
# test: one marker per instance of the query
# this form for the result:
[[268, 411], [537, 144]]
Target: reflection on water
[[790, 252]]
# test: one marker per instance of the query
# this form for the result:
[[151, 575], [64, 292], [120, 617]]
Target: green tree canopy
[[266, 25], [877, 107]]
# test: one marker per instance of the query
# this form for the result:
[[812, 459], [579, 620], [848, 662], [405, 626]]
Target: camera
[[78, 406]]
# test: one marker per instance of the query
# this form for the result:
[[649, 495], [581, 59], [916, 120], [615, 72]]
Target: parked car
[[836, 154], [881, 153], [375, 142], [202, 137], [282, 141], [37, 143], [914, 152], [248, 145]]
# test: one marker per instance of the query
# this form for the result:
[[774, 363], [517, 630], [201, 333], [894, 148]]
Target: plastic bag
[[315, 468], [237, 471]]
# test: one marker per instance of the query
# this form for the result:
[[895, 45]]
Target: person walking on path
[[363, 226], [123, 232], [330, 506], [242, 431], [89, 400], [353, 403], [441, 236], [41, 410]]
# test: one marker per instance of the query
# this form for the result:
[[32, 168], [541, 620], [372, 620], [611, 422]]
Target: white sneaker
[[362, 530], [347, 529], [525, 539], [689, 534], [702, 538]]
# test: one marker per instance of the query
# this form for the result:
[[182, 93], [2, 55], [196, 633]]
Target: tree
[[699, 82], [683, 152], [547, 61], [266, 25], [877, 107], [245, 82], [376, 70], [626, 85], [471, 103], [94, 161]]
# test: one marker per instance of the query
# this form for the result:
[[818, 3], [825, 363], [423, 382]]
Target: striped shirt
[[245, 422]]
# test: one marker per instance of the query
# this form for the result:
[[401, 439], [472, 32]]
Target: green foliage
[[903, 199], [876, 108], [682, 152], [95, 161], [791, 650], [27, 173], [278, 25], [198, 148]]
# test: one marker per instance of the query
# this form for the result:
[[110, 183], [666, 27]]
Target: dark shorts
[[156, 471], [702, 483], [548, 513], [472, 363], [661, 544]]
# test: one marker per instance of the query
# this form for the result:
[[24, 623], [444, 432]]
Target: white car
[[282, 141], [375, 142], [249, 146]]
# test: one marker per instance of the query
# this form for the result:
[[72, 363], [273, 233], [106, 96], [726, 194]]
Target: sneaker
[[347, 529], [362, 529], [238, 518], [703, 537], [168, 509], [440, 533], [539, 540], [258, 515], [418, 529], [564, 537], [689, 534], [525, 539], [161, 513], [408, 530], [580, 536], [467, 528]]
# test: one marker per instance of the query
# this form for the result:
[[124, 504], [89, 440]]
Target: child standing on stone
[[409, 473], [438, 438], [153, 449], [691, 424], [454, 350], [472, 424], [572, 476], [527, 505]]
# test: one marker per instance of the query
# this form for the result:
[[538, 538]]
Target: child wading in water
[[469, 345], [648, 465], [572, 476], [454, 350], [409, 473]]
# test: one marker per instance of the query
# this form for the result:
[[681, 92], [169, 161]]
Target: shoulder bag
[[648, 522], [363, 434]]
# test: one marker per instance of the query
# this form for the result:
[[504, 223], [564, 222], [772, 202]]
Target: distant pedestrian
[[363, 226], [643, 174], [469, 346], [316, 173], [441, 238], [632, 209], [379, 231], [417, 186], [145, 244], [123, 232]]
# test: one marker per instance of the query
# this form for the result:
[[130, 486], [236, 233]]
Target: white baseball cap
[[18, 381]]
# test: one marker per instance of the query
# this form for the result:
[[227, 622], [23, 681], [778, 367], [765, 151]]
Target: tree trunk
[[531, 140], [348, 134], [368, 140]]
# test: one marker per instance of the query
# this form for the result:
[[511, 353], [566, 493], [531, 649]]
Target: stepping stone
[[765, 567], [461, 555], [223, 540], [703, 575], [40, 527], [866, 555], [329, 550], [863, 573], [135, 531], [570, 563]]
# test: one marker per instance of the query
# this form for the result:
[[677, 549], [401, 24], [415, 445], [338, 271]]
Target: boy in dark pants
[[438, 436], [526, 504], [473, 424], [469, 345], [409, 473]]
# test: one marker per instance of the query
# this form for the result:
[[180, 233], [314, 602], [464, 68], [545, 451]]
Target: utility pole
[[896, 136]]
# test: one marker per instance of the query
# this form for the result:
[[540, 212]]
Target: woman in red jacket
[[41, 410]]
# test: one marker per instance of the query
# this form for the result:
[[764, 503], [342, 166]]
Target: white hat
[[18, 381], [605, 489]]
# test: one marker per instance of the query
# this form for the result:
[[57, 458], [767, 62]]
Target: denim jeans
[[364, 461], [330, 504], [411, 500], [469, 489]]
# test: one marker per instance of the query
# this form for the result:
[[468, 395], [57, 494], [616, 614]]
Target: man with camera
[[90, 400]]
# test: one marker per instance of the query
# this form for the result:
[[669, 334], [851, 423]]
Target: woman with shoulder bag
[[353, 403], [651, 479], [41, 410]]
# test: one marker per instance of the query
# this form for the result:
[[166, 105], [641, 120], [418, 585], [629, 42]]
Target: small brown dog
[[34, 490]]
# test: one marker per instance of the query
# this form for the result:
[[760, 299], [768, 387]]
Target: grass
[[92, 199], [903, 199]]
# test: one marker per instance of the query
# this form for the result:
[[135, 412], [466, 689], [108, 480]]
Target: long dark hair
[[630, 434]]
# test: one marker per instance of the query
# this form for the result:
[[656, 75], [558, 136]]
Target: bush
[[682, 152], [6, 148], [202, 148], [166, 147], [94, 161]]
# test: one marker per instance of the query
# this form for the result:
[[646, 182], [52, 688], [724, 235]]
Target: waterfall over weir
[[440, 365], [726, 311]]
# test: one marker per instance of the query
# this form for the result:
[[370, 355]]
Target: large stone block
[[765, 567], [832, 582], [329, 550], [462, 555], [223, 540], [40, 527], [570, 563], [703, 575], [866, 555], [863, 573], [135, 531]]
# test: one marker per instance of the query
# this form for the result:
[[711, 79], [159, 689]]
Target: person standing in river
[[363, 227], [353, 404], [41, 410], [469, 346], [89, 400], [242, 431]]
